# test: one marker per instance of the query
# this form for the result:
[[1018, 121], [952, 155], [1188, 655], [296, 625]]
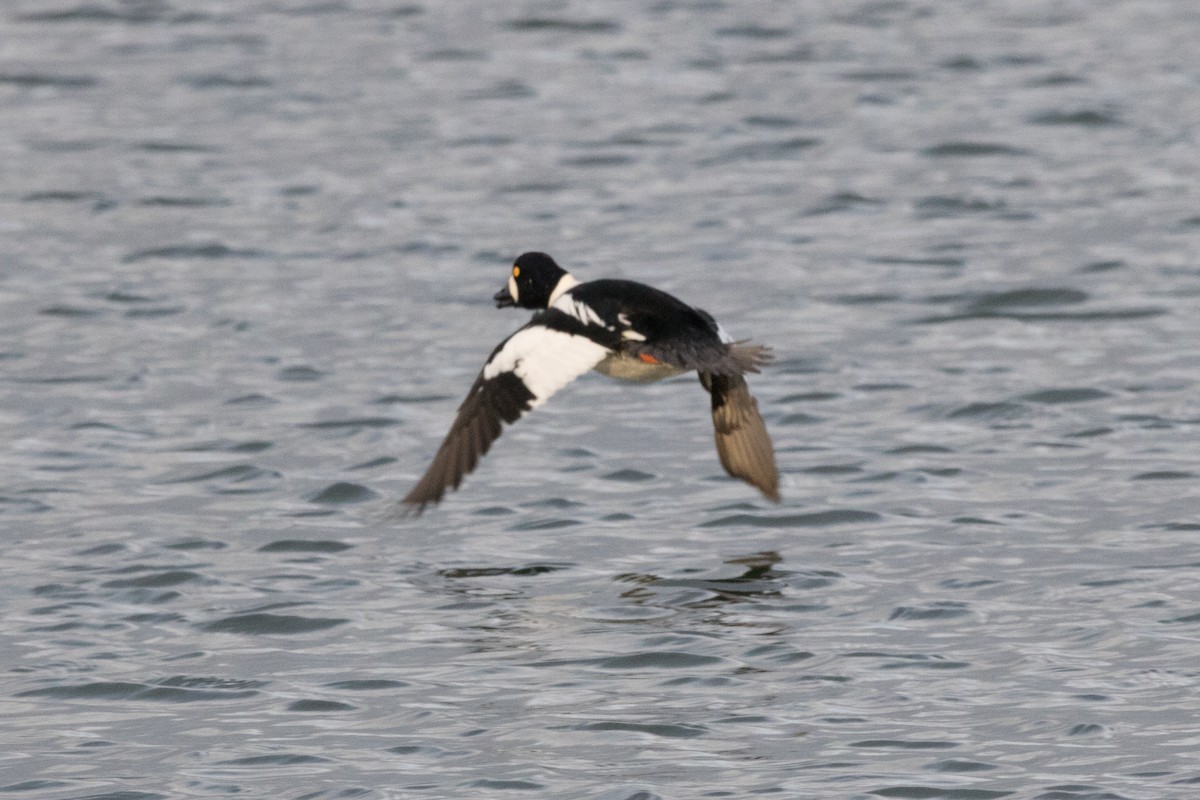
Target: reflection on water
[[248, 256]]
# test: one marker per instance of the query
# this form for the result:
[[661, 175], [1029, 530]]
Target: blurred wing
[[521, 374], [743, 444]]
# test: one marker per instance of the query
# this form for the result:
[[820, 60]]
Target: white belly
[[627, 368]]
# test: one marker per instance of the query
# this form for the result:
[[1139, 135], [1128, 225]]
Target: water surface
[[249, 251]]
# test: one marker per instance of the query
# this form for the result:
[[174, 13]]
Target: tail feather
[[747, 357]]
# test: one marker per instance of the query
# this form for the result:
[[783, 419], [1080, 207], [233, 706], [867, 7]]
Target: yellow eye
[[516, 272]]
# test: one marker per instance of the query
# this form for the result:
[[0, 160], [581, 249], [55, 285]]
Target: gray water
[[248, 254]]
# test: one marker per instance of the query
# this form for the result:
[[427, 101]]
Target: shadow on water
[[761, 578]]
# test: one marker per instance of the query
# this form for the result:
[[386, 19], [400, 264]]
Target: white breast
[[544, 359]]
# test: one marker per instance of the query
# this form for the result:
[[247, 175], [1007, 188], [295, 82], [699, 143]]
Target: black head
[[532, 281]]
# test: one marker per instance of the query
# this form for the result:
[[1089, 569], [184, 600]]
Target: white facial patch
[[512, 288], [545, 359], [723, 335]]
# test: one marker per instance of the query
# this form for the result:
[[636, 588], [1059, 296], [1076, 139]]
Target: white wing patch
[[545, 359], [565, 284], [629, 333], [579, 310]]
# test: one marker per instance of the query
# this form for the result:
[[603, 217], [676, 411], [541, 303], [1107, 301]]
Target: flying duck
[[623, 329]]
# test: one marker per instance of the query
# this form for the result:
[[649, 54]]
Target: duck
[[623, 329]]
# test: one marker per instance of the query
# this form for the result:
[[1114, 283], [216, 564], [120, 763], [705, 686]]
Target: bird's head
[[532, 281]]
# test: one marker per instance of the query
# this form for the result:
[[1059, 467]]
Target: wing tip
[[414, 504], [756, 468], [771, 492]]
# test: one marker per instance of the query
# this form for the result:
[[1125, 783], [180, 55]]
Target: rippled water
[[248, 255]]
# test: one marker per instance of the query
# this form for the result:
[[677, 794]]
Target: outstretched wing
[[743, 444], [521, 374]]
